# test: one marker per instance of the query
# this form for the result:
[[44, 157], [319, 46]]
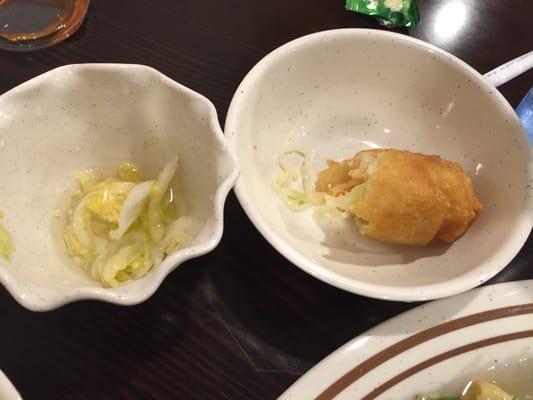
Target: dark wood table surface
[[241, 322]]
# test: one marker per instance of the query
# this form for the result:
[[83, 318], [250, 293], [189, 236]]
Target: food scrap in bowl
[[395, 196], [121, 227], [6, 241], [478, 390]]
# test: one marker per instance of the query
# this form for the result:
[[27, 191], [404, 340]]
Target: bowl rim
[[466, 314], [447, 288], [7, 388], [174, 260]]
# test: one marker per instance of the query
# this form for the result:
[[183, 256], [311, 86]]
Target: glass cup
[[33, 24]]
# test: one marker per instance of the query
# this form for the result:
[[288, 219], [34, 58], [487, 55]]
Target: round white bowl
[[97, 116], [337, 92], [7, 390]]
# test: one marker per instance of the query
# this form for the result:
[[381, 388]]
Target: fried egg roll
[[404, 197]]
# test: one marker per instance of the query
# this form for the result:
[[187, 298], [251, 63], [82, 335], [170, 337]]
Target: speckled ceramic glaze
[[7, 391], [337, 92], [434, 349], [98, 116]]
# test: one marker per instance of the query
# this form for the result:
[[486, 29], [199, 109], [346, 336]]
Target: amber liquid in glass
[[31, 24]]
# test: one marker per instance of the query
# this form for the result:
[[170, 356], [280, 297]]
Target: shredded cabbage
[[295, 188], [345, 202], [121, 227], [106, 199], [6, 241], [155, 211], [132, 208], [293, 184], [175, 234]]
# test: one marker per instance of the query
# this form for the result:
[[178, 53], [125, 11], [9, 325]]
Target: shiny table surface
[[241, 322]]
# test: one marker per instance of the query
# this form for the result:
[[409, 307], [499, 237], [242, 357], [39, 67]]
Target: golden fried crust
[[464, 206], [411, 198], [402, 202]]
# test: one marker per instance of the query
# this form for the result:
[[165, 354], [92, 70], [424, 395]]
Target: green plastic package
[[392, 13]]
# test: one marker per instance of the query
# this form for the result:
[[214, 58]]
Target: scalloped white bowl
[[337, 92], [97, 116]]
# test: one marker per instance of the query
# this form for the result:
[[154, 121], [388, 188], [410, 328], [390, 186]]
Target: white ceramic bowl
[[97, 116], [7, 390], [337, 92]]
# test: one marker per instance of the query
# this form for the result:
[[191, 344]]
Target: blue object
[[525, 113]]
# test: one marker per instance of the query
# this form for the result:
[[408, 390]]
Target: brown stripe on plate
[[444, 356], [392, 351]]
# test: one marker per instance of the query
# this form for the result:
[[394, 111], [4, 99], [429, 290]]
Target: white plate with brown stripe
[[434, 349]]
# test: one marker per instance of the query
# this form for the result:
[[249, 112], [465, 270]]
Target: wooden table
[[241, 322]]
